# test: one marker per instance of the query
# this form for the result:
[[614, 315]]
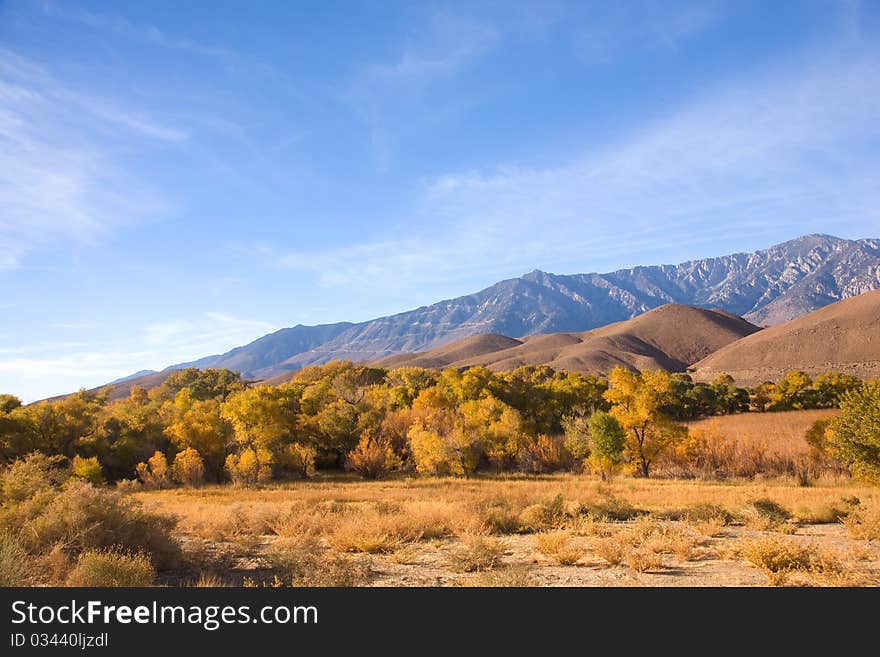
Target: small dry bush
[[210, 581], [380, 530], [612, 549], [643, 560], [823, 514], [588, 526], [708, 512], [232, 523], [711, 527], [558, 546], [767, 515], [306, 519], [513, 576], [307, 563], [543, 516], [610, 509], [477, 553], [773, 511], [15, 563], [863, 524], [352, 536], [112, 567], [209, 555], [779, 558], [496, 516]]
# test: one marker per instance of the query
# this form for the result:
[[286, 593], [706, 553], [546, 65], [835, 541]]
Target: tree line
[[211, 425]]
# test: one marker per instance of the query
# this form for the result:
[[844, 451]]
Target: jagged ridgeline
[[766, 288]]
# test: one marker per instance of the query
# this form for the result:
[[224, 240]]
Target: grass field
[[561, 530], [781, 432]]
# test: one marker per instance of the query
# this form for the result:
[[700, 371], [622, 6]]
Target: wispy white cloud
[[58, 177], [631, 27], [75, 326], [46, 367], [215, 330], [392, 94], [775, 154], [128, 29]]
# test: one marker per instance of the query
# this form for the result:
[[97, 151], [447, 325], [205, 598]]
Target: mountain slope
[[766, 287], [670, 337], [843, 337]]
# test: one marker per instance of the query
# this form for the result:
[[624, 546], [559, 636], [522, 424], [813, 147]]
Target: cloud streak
[[58, 178], [387, 95], [127, 29], [774, 155], [69, 365]]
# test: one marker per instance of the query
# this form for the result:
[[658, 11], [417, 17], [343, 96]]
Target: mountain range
[[766, 287]]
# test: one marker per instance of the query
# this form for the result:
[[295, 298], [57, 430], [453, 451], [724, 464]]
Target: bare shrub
[[545, 454], [372, 458]]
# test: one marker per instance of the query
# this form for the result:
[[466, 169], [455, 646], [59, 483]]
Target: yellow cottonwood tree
[[636, 402]]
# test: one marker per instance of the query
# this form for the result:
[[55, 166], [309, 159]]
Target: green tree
[[830, 387], [854, 436], [608, 442]]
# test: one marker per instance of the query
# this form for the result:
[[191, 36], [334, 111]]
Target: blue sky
[[177, 179]]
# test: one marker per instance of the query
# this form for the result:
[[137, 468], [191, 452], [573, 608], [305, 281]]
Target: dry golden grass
[[781, 432], [559, 546], [477, 553], [781, 558], [864, 523], [418, 527]]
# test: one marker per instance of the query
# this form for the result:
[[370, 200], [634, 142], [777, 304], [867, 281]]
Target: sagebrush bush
[[610, 508], [612, 549], [15, 564], [82, 517], [305, 562], [477, 553], [559, 547], [642, 560], [863, 524], [497, 517], [544, 515], [779, 557], [26, 478], [112, 567]]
